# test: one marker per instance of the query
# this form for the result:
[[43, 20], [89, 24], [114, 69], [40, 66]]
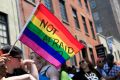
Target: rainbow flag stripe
[[48, 37]]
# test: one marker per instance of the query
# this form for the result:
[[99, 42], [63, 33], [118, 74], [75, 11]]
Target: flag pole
[[28, 21], [12, 47]]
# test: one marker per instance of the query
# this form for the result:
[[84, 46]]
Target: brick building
[[107, 17], [76, 17]]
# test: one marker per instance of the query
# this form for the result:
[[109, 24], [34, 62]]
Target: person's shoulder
[[51, 67], [106, 64], [3, 78], [48, 66], [44, 68], [52, 72], [63, 73]]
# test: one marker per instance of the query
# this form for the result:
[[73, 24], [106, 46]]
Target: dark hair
[[91, 67], [64, 67], [110, 60], [110, 57], [14, 52]]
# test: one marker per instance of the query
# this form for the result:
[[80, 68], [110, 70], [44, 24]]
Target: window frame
[[49, 5], [75, 16], [5, 24], [80, 2], [92, 29], [85, 25], [86, 5], [63, 11]]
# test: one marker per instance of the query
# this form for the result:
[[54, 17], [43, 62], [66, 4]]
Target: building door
[[84, 53]]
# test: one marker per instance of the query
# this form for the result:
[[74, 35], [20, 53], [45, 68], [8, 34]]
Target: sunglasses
[[18, 56], [101, 61], [81, 62]]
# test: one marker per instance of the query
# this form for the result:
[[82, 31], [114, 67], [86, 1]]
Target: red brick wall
[[26, 9]]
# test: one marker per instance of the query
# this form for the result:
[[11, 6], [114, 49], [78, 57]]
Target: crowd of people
[[14, 67]]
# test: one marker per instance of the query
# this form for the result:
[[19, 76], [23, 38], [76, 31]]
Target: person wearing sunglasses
[[15, 68], [112, 70], [87, 72], [100, 65]]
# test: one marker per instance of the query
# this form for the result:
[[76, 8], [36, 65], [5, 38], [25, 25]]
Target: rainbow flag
[[48, 37]]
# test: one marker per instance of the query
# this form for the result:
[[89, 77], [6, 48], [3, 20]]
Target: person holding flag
[[13, 67], [48, 37]]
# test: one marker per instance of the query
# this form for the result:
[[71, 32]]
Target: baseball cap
[[15, 52]]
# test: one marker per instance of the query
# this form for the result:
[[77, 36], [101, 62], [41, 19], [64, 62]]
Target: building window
[[86, 5], [92, 56], [115, 55], [92, 29], [75, 18], [84, 23], [48, 4], [79, 1], [75, 36], [93, 4], [118, 53], [84, 53], [99, 28], [73, 60], [4, 38], [96, 16], [63, 10]]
